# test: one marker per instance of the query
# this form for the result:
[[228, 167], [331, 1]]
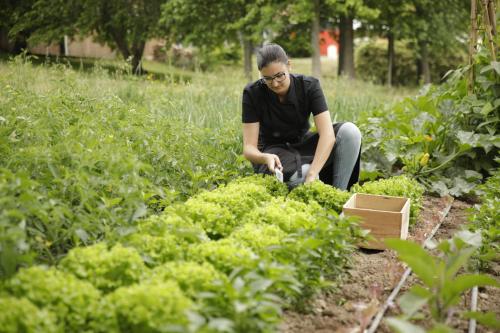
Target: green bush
[[225, 254], [20, 315], [76, 303], [107, 269], [150, 308], [371, 63], [398, 186], [327, 196]]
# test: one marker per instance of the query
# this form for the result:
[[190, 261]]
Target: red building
[[328, 44]]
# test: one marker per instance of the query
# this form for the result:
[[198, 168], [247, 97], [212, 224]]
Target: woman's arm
[[252, 153], [325, 144]]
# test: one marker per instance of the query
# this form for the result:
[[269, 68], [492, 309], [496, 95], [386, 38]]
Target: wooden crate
[[385, 217]]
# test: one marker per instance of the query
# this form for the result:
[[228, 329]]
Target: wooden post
[[488, 28], [472, 45]]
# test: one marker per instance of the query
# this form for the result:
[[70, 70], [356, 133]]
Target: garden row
[[225, 260]]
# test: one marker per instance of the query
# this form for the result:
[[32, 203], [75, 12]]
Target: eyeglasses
[[279, 77]]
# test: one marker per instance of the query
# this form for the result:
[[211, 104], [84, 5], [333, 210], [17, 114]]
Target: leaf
[[441, 328], [453, 289], [411, 302], [471, 238], [82, 235], [488, 319], [454, 263], [417, 258], [403, 326], [496, 66]]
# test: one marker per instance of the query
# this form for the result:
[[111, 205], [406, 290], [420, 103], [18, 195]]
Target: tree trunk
[[390, 57], [346, 62], [247, 58], [136, 61], [316, 57], [424, 62]]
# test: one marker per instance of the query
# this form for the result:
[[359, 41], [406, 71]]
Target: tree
[[391, 23], [207, 24], [125, 25]]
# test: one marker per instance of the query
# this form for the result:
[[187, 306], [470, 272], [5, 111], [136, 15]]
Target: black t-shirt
[[287, 121]]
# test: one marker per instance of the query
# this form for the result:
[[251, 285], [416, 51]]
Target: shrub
[[371, 63], [105, 269], [74, 302], [399, 186], [20, 315], [225, 254], [327, 196], [151, 308]]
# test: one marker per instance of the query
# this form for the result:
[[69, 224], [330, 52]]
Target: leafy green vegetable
[[154, 307], [327, 196], [105, 269], [20, 315], [76, 303]]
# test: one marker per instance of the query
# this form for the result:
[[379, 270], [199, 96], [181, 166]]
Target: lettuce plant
[[75, 303], [289, 215], [155, 250], [170, 223], [225, 254], [326, 195], [270, 183], [20, 315], [149, 307], [105, 269], [259, 237]]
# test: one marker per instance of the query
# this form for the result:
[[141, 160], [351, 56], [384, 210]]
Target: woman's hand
[[310, 177], [272, 162]]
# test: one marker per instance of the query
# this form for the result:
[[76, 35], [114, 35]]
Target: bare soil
[[374, 274]]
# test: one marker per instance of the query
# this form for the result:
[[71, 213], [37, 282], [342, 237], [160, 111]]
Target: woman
[[276, 111]]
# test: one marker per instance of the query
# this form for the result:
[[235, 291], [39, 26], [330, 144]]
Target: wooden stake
[[488, 28], [472, 45]]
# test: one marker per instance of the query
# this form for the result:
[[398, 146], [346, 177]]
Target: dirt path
[[373, 276]]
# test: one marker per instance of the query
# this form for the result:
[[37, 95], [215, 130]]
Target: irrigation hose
[[473, 307]]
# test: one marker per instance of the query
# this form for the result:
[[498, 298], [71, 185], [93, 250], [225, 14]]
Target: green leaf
[[496, 66], [441, 328], [411, 302], [403, 326], [488, 319], [453, 289], [455, 262], [423, 264]]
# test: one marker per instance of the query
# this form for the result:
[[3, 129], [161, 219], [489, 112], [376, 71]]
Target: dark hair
[[270, 53]]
